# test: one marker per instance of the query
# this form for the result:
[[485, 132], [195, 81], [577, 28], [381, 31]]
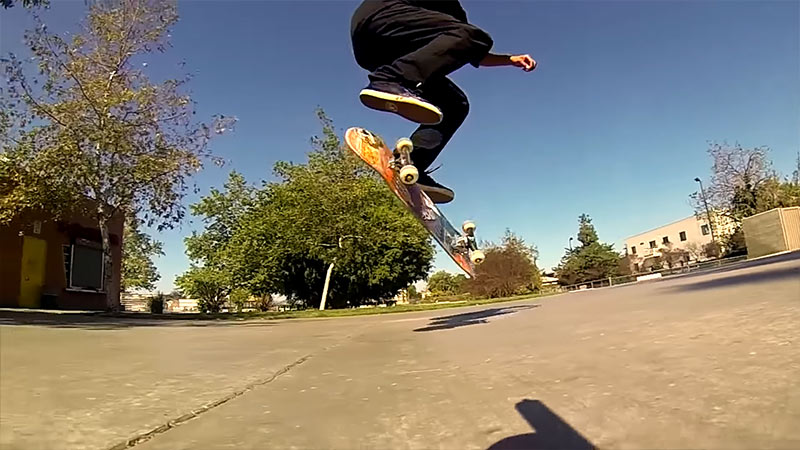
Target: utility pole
[[708, 216]]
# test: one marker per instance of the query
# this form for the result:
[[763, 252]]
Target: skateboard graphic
[[398, 171]]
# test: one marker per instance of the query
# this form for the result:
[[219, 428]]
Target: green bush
[[156, 304]]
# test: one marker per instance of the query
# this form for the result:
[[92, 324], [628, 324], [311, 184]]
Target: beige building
[[688, 236]]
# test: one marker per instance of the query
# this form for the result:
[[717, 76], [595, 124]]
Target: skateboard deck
[[371, 148]]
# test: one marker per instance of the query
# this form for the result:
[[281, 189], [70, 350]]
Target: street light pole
[[708, 216], [570, 243]]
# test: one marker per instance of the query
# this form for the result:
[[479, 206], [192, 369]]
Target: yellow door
[[34, 255]]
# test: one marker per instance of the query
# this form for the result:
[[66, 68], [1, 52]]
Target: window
[[704, 230], [683, 236], [635, 267], [665, 240], [652, 244], [83, 265], [633, 249]]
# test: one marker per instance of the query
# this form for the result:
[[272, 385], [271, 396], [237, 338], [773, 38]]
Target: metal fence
[[625, 279]]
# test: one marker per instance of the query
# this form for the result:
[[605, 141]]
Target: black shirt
[[451, 7]]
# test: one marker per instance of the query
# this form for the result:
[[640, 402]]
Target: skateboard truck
[[402, 161], [470, 243]]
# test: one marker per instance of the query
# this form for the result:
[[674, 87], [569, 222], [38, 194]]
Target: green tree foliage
[[445, 283], [25, 3], [515, 244], [413, 295], [138, 250], [155, 304], [210, 287], [237, 299], [509, 269], [222, 214], [282, 237], [293, 234], [589, 261], [586, 232], [91, 128], [264, 302]]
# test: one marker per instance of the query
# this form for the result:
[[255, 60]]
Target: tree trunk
[[103, 220]]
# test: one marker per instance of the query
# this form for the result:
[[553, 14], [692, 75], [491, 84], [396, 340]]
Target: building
[[182, 305], [58, 264], [135, 301], [687, 238], [773, 231], [549, 280]]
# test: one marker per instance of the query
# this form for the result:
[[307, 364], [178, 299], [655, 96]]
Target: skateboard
[[397, 169]]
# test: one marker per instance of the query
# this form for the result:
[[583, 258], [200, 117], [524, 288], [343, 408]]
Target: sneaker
[[436, 192], [393, 97]]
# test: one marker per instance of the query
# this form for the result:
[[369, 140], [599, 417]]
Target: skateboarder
[[409, 47]]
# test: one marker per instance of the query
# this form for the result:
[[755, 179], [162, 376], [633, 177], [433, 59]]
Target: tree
[[743, 183], [129, 145], [25, 3], [587, 235], [734, 244], [672, 256], [237, 298], [138, 249], [695, 251], [209, 287], [282, 237], [444, 283], [264, 302], [509, 269], [737, 173], [221, 213], [516, 244], [592, 260], [413, 295]]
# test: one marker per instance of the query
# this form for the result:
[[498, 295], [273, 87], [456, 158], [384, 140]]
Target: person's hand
[[524, 61]]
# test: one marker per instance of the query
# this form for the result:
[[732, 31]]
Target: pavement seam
[[142, 437]]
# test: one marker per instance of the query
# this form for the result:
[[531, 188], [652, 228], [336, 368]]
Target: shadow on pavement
[[551, 432], [470, 318], [99, 321], [734, 279]]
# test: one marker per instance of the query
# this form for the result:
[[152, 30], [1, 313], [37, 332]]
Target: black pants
[[418, 48]]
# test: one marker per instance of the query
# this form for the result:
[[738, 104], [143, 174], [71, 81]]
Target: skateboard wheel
[[404, 144], [477, 257], [468, 227], [409, 174]]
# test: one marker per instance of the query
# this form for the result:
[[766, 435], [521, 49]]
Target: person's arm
[[524, 61]]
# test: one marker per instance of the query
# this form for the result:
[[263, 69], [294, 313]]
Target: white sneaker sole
[[413, 109]]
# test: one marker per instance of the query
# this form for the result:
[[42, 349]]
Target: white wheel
[[468, 227], [477, 257], [409, 174], [404, 144]]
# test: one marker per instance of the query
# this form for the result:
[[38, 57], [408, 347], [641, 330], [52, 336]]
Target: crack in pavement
[[142, 437]]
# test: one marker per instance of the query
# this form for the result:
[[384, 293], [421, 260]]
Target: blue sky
[[614, 122]]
